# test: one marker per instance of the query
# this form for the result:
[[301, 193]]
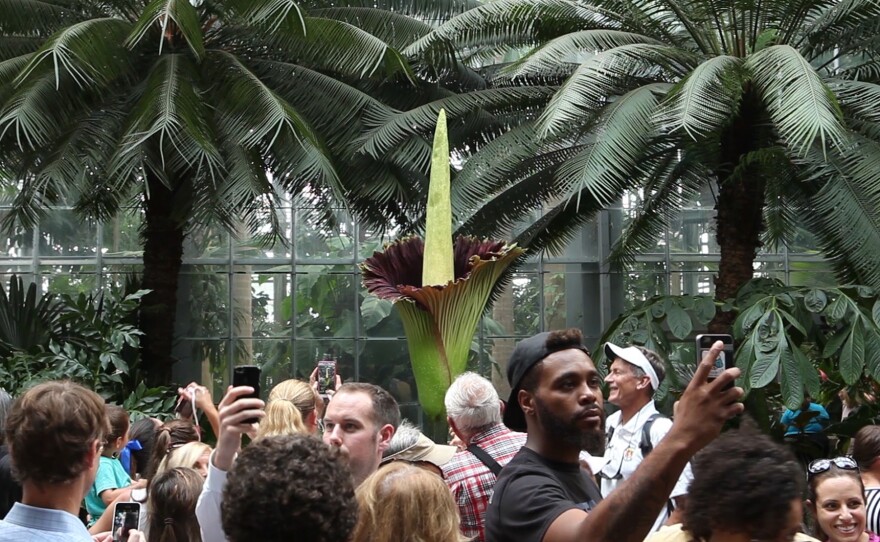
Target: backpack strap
[[485, 458], [645, 445]]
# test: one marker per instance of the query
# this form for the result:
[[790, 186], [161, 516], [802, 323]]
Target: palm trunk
[[163, 252], [739, 215]]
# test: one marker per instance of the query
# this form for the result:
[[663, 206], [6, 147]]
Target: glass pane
[[121, 235], [811, 273], [205, 290], [262, 300], [325, 301], [314, 240], [64, 234], [69, 279], [387, 364], [16, 244], [379, 318], [370, 241], [209, 359], [273, 356], [208, 242], [307, 352], [693, 232]]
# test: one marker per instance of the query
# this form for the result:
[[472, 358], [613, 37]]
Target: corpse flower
[[440, 288]]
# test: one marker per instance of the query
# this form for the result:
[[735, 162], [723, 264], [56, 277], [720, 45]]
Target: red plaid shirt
[[472, 482]]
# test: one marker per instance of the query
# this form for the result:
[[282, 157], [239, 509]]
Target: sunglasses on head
[[822, 465]]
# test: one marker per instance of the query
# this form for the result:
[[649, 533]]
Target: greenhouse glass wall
[[286, 306]]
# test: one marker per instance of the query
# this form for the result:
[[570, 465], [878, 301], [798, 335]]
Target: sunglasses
[[822, 465]]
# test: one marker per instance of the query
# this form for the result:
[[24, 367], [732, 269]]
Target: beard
[[589, 440]]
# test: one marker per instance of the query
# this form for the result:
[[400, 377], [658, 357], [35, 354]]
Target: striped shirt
[[34, 524], [872, 509]]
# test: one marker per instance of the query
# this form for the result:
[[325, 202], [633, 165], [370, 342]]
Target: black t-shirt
[[531, 492]]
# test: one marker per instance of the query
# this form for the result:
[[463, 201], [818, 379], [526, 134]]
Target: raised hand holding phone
[[238, 410]]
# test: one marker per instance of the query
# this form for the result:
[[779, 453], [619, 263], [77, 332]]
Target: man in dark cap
[[542, 495]]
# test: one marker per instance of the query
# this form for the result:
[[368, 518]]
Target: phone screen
[[326, 375], [724, 359], [126, 517]]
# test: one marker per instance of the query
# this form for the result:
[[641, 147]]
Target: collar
[[494, 431], [638, 419], [46, 519]]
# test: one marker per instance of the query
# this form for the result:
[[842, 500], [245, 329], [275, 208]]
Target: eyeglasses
[[822, 465]]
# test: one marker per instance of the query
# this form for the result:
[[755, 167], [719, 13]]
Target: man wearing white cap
[[634, 430]]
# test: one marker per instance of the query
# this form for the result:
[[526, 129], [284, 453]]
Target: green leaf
[[704, 309], [438, 264], [835, 341], [815, 300], [765, 368], [838, 308], [791, 380], [872, 352], [679, 321], [374, 310], [852, 356], [875, 312], [160, 13], [808, 372]]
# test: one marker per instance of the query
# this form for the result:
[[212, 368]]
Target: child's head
[[118, 436], [172, 505], [171, 435]]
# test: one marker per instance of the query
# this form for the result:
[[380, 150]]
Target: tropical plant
[[774, 105], [440, 287], [89, 339], [182, 107]]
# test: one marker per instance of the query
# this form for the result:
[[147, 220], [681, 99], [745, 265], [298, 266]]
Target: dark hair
[[51, 429], [385, 409], [815, 479], [290, 487], [558, 340], [866, 446], [744, 482], [144, 431], [172, 506], [656, 364], [5, 405], [172, 434], [119, 423]]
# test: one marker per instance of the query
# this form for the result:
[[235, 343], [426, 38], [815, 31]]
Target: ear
[[385, 435], [526, 402], [501, 406], [312, 419], [93, 456], [454, 428]]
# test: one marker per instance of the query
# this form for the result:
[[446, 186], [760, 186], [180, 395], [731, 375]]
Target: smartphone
[[326, 375], [724, 359], [247, 375], [126, 517]]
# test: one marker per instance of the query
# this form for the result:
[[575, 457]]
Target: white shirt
[[208, 506], [623, 454]]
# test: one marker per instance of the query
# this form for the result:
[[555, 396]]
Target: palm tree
[[774, 104], [181, 107]]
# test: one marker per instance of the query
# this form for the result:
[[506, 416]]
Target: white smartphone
[[126, 517]]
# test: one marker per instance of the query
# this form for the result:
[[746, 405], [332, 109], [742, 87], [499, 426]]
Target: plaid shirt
[[472, 482]]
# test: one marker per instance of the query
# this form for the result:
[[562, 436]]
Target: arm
[[105, 522], [787, 417], [205, 403], [231, 416], [628, 513], [823, 417], [110, 496]]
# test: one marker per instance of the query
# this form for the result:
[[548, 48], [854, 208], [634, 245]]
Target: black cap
[[527, 353]]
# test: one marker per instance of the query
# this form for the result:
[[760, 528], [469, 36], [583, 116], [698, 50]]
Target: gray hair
[[472, 402], [405, 437], [5, 407], [656, 364]]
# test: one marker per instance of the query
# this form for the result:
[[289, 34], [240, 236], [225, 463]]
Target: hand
[[705, 406], [106, 536], [234, 411], [313, 381], [139, 484], [136, 536], [202, 394]]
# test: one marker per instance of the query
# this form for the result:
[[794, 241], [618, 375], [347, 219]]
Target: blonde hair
[[290, 403], [403, 502], [184, 456]]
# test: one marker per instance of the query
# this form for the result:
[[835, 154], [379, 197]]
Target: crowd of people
[[544, 466]]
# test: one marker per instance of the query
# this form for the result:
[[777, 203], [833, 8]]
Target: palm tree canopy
[[778, 99]]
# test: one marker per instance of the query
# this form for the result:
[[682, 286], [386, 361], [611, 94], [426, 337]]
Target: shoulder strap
[[485, 458], [645, 445]]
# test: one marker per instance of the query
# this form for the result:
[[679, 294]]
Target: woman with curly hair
[[403, 502], [836, 497], [746, 487]]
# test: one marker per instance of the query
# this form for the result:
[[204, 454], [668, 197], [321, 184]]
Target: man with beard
[[542, 495]]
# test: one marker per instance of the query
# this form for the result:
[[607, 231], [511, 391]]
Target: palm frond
[[557, 227], [271, 16], [858, 99], [800, 105], [34, 17], [607, 74], [161, 15], [845, 212], [839, 23], [514, 23], [394, 129], [705, 100], [430, 11], [608, 165], [16, 46], [395, 29], [32, 116], [570, 48], [89, 53]]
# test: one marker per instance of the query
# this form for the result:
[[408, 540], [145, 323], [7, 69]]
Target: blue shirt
[[41, 525], [815, 425]]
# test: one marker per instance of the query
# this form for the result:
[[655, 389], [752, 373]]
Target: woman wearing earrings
[[836, 497]]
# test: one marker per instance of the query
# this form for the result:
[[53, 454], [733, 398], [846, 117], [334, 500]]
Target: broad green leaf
[[438, 264], [808, 372], [791, 380], [704, 309], [835, 342], [852, 356], [765, 368], [679, 321], [658, 310], [374, 310], [838, 308], [872, 352], [875, 312], [815, 300]]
